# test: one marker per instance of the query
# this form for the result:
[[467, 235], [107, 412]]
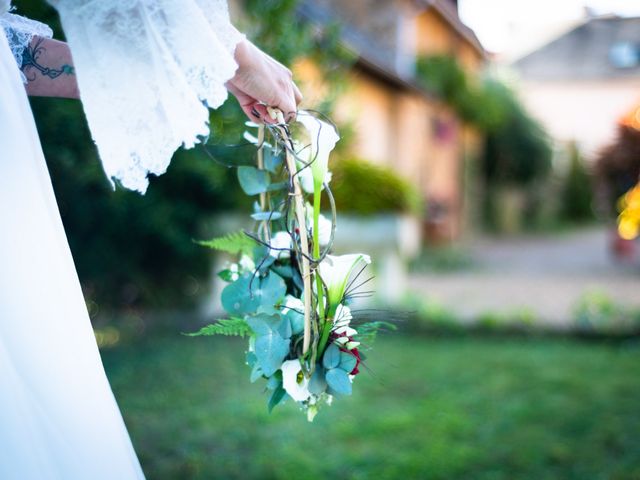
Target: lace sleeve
[[20, 31], [147, 71]]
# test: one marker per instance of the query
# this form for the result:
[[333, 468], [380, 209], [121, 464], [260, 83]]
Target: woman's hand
[[260, 80]]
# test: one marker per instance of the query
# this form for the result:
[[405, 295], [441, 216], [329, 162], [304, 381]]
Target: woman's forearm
[[49, 70]]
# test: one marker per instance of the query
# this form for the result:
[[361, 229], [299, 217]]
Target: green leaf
[[272, 341], [244, 297], [236, 327], [317, 383], [256, 373], [263, 324], [278, 186], [297, 321], [271, 161], [252, 180], [237, 299], [271, 349], [272, 290], [266, 216], [234, 243], [276, 397], [331, 357], [338, 381], [348, 361], [367, 332]]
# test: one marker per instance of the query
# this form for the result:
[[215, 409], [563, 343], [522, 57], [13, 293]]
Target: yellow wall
[[435, 36], [396, 126]]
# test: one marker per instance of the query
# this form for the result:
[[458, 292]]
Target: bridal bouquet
[[286, 292]]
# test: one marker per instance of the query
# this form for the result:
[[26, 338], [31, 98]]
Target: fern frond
[[230, 327], [234, 243], [367, 332]]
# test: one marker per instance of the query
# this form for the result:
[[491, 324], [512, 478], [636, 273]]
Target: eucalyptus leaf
[[272, 290], [348, 361], [271, 161], [251, 359], [331, 357], [276, 397], [237, 299], [278, 186], [252, 180], [317, 383], [273, 382], [339, 381], [272, 341], [263, 258], [266, 216], [271, 350], [297, 321], [256, 373]]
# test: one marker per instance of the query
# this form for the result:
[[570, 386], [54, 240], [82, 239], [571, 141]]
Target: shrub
[[577, 194], [363, 188]]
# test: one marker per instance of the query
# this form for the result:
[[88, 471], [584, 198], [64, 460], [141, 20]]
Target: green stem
[[326, 323], [317, 192]]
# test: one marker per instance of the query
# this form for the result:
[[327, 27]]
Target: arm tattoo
[[30, 58]]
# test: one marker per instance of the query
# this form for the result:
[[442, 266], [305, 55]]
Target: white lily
[[323, 137], [336, 271], [294, 382], [280, 244], [247, 264], [343, 316], [305, 176]]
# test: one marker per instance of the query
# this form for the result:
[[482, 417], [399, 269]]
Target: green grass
[[468, 408]]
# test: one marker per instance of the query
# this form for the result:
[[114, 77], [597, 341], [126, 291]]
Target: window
[[625, 55]]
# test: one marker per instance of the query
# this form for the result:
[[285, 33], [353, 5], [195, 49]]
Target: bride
[[146, 71]]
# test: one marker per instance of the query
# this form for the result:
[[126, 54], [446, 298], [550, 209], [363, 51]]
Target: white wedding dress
[[144, 69]]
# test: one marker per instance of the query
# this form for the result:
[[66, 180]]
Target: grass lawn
[[467, 408]]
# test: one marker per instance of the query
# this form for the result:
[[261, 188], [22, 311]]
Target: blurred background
[[485, 148]]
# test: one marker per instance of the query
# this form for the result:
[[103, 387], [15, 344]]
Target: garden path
[[545, 276]]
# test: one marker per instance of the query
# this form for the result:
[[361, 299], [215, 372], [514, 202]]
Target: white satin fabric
[[147, 70], [58, 417]]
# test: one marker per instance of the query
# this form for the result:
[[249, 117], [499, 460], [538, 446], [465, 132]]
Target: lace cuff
[[147, 70], [20, 31]]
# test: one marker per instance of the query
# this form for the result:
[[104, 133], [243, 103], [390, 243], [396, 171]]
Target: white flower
[[312, 411], [306, 176], [336, 271], [323, 138], [233, 270], [348, 331], [280, 244], [294, 382], [343, 315], [247, 264]]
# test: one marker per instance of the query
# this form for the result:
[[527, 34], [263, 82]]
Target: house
[[580, 84], [397, 123]]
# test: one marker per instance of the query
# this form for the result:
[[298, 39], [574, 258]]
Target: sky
[[515, 27]]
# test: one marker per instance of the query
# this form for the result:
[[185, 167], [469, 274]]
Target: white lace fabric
[[147, 71], [20, 31]]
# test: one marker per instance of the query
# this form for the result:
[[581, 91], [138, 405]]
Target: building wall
[[399, 127], [586, 112], [435, 36]]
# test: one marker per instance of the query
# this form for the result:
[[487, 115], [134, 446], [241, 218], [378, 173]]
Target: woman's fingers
[[260, 80], [297, 93]]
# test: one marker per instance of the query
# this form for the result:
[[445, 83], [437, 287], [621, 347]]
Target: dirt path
[[546, 276]]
